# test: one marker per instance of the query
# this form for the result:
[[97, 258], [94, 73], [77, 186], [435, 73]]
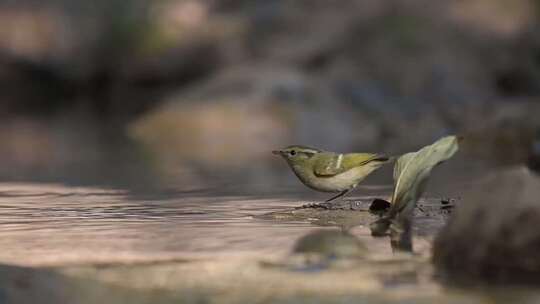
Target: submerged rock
[[493, 235], [343, 218], [323, 249], [330, 244]]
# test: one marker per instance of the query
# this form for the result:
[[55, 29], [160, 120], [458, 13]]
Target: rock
[[379, 206], [494, 17], [23, 285], [233, 121], [430, 214], [534, 155], [341, 216], [209, 139], [330, 244], [493, 236], [505, 133]]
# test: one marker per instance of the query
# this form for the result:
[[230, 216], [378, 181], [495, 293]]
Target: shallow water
[[58, 225], [193, 246]]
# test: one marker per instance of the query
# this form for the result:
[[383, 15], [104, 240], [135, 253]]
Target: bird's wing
[[330, 164]]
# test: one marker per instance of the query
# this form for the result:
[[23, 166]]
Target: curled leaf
[[413, 169], [411, 173]]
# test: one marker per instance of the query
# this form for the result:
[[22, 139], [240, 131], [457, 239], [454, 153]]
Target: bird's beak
[[276, 152]]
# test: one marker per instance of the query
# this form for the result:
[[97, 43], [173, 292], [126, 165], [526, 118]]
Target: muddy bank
[[430, 214]]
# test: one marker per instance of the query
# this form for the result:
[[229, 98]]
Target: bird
[[329, 171]]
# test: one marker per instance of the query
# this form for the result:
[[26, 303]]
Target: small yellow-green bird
[[328, 171]]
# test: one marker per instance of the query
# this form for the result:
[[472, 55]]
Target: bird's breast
[[334, 183]]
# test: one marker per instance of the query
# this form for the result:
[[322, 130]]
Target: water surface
[[47, 224], [193, 246]]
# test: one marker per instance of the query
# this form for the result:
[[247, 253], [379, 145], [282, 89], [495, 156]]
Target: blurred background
[[191, 94]]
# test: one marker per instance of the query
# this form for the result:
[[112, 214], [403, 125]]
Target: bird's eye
[[292, 153]]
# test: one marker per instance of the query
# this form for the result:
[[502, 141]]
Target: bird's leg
[[341, 194], [327, 204]]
